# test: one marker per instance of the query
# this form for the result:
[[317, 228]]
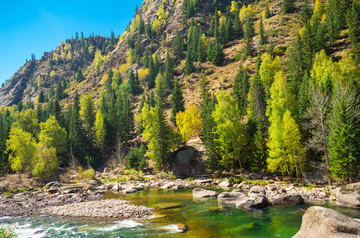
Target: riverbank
[[57, 198]]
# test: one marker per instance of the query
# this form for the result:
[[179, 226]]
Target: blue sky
[[38, 26]]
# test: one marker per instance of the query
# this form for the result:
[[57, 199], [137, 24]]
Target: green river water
[[204, 218]]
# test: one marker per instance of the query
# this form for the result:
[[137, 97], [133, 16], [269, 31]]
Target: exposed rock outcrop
[[349, 196]]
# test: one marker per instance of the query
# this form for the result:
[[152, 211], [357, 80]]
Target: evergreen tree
[[262, 38], [207, 135], [344, 153], [353, 22], [168, 73], [189, 66], [41, 98], [241, 90], [125, 117], [79, 75], [177, 101], [287, 6], [249, 33], [178, 45], [267, 12]]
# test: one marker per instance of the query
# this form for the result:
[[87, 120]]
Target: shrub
[[136, 158], [89, 174], [169, 175]]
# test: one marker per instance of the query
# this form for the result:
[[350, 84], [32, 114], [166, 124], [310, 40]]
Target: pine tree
[[125, 117], [294, 64], [207, 135], [267, 12], [249, 33], [41, 98], [353, 22], [241, 90], [178, 45], [177, 101], [189, 66], [79, 75], [287, 6], [262, 37], [260, 150], [168, 73], [87, 113], [344, 153]]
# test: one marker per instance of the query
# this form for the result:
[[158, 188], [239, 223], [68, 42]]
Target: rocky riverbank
[[247, 194], [109, 208]]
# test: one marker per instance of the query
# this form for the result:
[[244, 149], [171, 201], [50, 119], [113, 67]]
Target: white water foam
[[119, 225], [169, 229]]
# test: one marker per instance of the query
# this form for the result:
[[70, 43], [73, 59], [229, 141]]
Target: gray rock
[[257, 201], [288, 199], [167, 186], [226, 184], [129, 191], [203, 193], [231, 198], [257, 190], [320, 222], [349, 196], [116, 188]]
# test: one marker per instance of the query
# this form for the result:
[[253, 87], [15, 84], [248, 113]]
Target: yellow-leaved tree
[[189, 122]]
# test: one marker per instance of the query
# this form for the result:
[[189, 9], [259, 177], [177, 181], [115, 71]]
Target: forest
[[296, 109]]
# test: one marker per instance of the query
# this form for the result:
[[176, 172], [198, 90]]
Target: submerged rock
[[320, 222], [203, 193]]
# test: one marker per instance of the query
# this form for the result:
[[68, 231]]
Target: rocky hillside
[[62, 64]]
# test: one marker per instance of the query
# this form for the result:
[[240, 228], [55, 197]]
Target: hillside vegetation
[[268, 86]]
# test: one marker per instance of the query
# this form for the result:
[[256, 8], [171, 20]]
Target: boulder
[[203, 193], [288, 199], [167, 186], [129, 191], [349, 196], [187, 162], [231, 198], [257, 201], [320, 222], [226, 184], [257, 190], [116, 188]]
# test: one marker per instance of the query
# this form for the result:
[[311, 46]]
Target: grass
[[7, 232]]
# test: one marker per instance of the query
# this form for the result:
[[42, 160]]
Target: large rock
[[320, 222], [203, 193], [226, 184], [256, 201], [288, 199], [349, 196], [231, 198], [257, 190], [187, 162]]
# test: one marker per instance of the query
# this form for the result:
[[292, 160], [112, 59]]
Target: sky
[[38, 26]]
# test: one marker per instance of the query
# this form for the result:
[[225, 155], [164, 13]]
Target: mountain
[[248, 72]]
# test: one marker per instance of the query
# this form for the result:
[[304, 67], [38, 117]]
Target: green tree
[[287, 6], [189, 122], [262, 36], [241, 89], [100, 130], [168, 73], [87, 113], [353, 23], [229, 129], [161, 137], [343, 140], [177, 101]]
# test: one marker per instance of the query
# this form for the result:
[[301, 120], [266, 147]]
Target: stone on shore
[[320, 222], [203, 193], [349, 196], [226, 184], [288, 199]]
